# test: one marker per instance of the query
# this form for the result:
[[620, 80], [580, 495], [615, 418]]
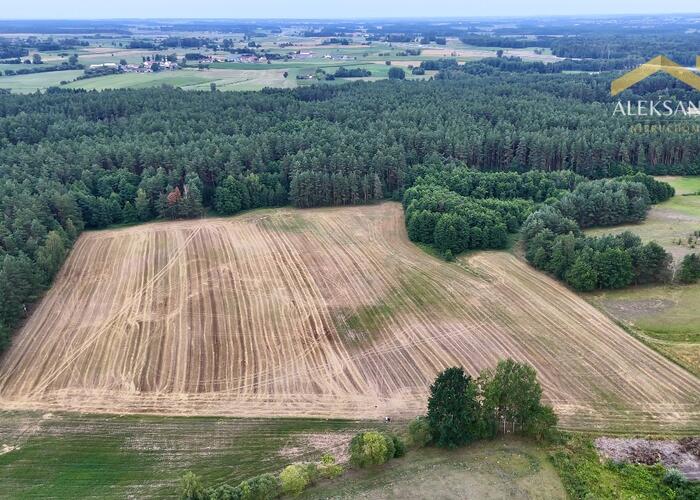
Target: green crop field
[[70, 455]]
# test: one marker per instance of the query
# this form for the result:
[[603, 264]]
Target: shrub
[[294, 479], [191, 487], [370, 448], [542, 423], [262, 487], [419, 432], [399, 446], [225, 492], [674, 479], [328, 468], [689, 271]]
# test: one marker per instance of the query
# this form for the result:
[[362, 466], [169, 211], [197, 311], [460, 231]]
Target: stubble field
[[324, 313]]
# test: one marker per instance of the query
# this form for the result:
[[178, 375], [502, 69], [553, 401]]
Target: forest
[[71, 160]]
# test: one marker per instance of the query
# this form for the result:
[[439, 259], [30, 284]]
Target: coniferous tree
[[453, 411]]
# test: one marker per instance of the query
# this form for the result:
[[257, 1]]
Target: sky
[[325, 9]]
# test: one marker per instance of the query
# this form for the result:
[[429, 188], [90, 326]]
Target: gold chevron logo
[[659, 63]]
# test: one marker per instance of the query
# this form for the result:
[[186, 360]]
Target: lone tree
[[397, 73], [453, 411]]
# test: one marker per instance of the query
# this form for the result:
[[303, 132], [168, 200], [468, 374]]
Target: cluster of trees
[[462, 409], [454, 223], [605, 202], [40, 68], [555, 244], [344, 72], [512, 42], [455, 208], [396, 73], [336, 41], [535, 185], [681, 47]]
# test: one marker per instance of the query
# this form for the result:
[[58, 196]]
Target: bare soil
[[669, 453]]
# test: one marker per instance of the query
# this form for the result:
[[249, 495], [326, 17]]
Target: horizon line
[[358, 18]]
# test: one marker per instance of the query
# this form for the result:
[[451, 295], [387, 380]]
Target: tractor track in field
[[326, 313]]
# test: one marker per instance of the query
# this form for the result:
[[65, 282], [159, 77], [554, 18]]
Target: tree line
[[554, 242], [459, 209]]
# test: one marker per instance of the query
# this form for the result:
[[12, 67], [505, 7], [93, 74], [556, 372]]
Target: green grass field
[[107, 456], [24, 84], [666, 317], [191, 79], [503, 468]]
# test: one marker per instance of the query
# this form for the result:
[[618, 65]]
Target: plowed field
[[327, 313]]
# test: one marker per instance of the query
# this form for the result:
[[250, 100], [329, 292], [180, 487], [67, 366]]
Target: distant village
[[169, 63]]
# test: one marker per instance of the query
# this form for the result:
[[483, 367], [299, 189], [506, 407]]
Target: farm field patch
[[70, 455], [225, 79], [503, 468], [664, 316], [26, 84], [319, 313]]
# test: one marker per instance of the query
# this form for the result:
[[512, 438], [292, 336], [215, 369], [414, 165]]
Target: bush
[[371, 448], [689, 271], [294, 479], [419, 432], [191, 487], [542, 423], [225, 492], [674, 479], [399, 446], [328, 468], [262, 487]]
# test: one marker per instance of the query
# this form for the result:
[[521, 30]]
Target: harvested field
[[327, 313]]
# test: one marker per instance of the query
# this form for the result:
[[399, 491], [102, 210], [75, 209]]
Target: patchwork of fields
[[326, 313]]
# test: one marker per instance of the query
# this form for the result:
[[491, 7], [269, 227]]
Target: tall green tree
[[51, 255], [511, 394], [453, 411]]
